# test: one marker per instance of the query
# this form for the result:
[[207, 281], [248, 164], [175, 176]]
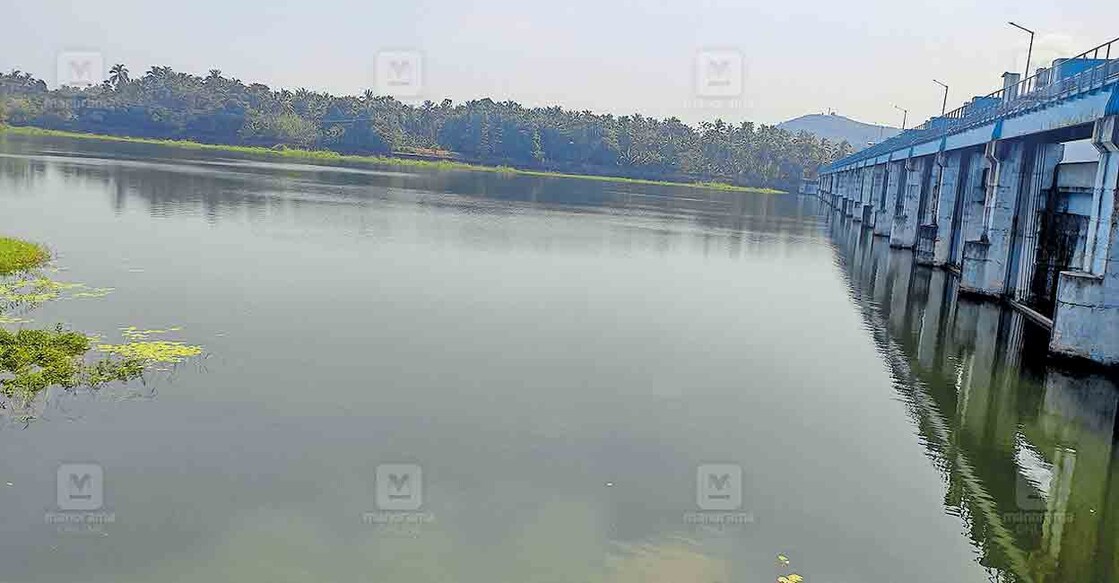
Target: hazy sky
[[858, 57]]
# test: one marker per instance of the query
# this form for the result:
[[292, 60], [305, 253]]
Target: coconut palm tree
[[118, 75]]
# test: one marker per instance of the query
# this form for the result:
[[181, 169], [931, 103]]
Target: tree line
[[168, 104]]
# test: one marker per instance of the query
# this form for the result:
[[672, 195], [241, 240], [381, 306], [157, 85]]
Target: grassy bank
[[329, 156], [17, 255]]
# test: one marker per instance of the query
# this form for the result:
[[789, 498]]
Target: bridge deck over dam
[[991, 191]]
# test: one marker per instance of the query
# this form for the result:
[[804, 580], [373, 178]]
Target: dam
[[1015, 192]]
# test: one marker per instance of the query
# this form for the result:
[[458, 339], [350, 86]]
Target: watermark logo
[[718, 494], [719, 73], [719, 487], [80, 487], [80, 496], [399, 73], [80, 69], [399, 495], [399, 487]]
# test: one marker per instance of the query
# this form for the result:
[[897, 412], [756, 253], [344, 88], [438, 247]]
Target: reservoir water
[[413, 375]]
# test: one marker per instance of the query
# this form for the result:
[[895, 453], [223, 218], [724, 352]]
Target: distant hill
[[837, 128]]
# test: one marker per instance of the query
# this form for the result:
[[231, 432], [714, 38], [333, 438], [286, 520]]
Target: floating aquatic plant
[[32, 360], [17, 255], [153, 351], [134, 333], [39, 289], [142, 347], [94, 292]]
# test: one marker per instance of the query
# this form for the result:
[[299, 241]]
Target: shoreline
[[332, 156]]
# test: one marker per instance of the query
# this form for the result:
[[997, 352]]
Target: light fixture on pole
[[1030, 51], [904, 116], [943, 104]]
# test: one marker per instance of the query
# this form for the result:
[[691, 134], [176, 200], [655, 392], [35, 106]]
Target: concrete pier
[[874, 205], [940, 216], [1086, 323], [986, 260], [903, 234], [888, 207], [986, 191]]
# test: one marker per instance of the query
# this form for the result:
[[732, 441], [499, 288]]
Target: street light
[[944, 104], [1030, 52], [904, 116]]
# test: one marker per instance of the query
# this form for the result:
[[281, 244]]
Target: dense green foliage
[[17, 255], [32, 360], [166, 104]]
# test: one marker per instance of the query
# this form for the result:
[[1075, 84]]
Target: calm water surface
[[558, 357]]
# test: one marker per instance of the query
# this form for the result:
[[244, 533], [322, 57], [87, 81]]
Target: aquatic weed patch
[[18, 255], [32, 360], [30, 291], [153, 353]]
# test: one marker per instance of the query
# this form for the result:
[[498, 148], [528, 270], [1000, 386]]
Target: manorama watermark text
[[80, 497], [399, 495], [718, 491]]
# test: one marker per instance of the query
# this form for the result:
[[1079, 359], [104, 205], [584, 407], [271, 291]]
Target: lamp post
[[943, 104], [904, 116], [1030, 51]]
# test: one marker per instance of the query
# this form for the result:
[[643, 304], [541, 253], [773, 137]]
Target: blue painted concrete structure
[[982, 190]]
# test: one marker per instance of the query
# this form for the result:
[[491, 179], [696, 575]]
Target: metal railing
[[1039, 89]]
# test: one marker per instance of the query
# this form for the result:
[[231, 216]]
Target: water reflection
[[221, 187], [1027, 450]]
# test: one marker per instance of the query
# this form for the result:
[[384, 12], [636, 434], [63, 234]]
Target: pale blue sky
[[857, 56]]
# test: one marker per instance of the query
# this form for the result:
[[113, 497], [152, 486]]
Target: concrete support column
[[1086, 322], [853, 193], [856, 187], [1037, 183], [943, 208], [986, 260], [887, 202], [904, 231], [973, 198], [877, 182], [926, 223], [866, 178]]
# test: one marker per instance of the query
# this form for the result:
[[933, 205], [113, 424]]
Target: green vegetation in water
[[32, 360], [17, 255], [30, 292], [153, 353], [329, 156]]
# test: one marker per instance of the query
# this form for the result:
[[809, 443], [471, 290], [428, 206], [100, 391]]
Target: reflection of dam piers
[[1028, 453], [1016, 192]]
